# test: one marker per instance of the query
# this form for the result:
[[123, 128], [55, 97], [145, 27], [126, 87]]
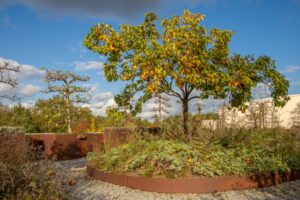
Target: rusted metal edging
[[193, 185]]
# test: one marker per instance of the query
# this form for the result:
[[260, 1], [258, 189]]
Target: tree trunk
[[68, 104], [185, 115]]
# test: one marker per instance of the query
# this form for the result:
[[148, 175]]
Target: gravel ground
[[80, 186]]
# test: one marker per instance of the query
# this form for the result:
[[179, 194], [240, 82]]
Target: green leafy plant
[[244, 152]]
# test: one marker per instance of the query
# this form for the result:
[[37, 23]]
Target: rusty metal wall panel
[[68, 146]]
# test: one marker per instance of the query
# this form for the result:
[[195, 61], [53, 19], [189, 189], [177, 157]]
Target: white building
[[261, 113]]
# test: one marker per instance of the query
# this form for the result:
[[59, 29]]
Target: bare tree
[[161, 108], [7, 78], [199, 108], [295, 116], [263, 114], [64, 84]]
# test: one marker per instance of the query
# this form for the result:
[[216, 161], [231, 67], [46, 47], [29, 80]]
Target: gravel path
[[80, 186]]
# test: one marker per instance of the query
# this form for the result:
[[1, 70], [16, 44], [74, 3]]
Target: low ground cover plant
[[232, 153]]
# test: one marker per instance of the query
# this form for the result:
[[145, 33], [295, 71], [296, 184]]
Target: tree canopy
[[64, 83], [50, 116], [184, 60]]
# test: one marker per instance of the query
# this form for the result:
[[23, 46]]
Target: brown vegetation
[[23, 175]]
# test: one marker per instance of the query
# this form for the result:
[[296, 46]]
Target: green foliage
[[18, 116], [184, 60], [116, 117], [66, 85], [171, 126], [50, 115], [236, 153], [45, 116]]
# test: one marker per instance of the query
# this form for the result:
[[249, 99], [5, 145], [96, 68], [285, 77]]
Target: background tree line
[[48, 115]]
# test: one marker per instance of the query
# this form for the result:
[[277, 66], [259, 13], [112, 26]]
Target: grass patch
[[236, 153]]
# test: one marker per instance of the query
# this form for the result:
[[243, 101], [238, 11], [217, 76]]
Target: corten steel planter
[[194, 185], [68, 146]]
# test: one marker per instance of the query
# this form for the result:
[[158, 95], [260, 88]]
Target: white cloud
[[148, 106], [100, 102], [29, 89], [89, 65], [291, 68], [28, 72], [146, 115], [103, 96], [110, 102], [99, 108], [5, 89], [28, 104], [25, 77]]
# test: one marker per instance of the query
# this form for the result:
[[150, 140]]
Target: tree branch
[[193, 97]]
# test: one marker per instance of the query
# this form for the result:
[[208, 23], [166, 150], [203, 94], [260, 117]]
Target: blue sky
[[49, 33]]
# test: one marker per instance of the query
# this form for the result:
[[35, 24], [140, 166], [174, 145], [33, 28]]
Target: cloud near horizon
[[29, 90], [87, 66], [27, 73], [291, 68]]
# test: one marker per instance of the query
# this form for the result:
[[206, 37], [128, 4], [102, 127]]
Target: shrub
[[11, 131], [22, 174], [235, 153]]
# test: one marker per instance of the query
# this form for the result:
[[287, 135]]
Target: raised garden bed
[[239, 160], [193, 185]]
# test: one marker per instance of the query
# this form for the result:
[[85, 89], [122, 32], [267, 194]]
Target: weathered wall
[[71, 146], [67, 146]]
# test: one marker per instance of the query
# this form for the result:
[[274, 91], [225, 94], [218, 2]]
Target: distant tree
[[184, 60], [81, 119], [161, 109], [64, 83], [262, 114], [4, 117], [118, 117], [199, 108], [50, 116], [295, 116], [115, 118], [18, 116], [6, 78]]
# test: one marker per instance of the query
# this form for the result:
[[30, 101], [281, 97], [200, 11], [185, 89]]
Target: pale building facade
[[262, 114]]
